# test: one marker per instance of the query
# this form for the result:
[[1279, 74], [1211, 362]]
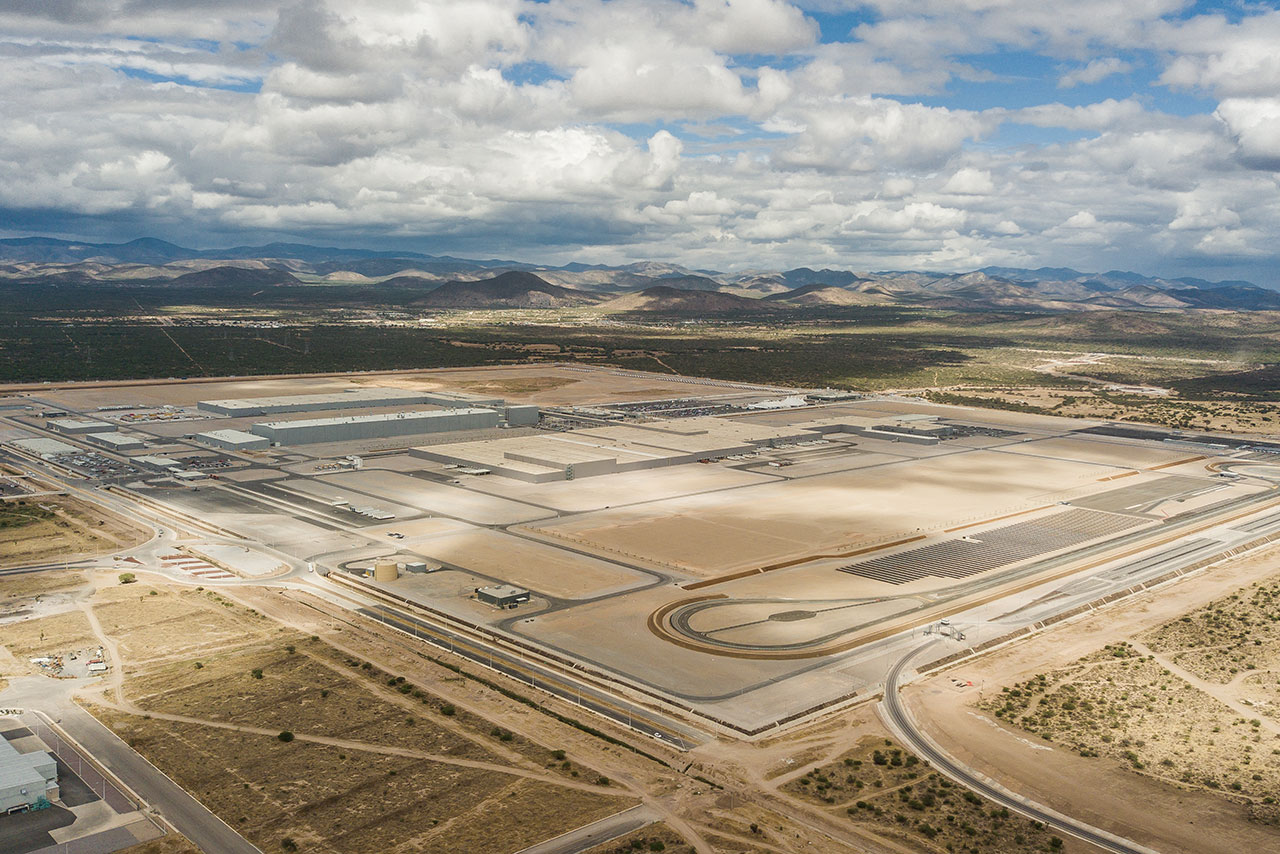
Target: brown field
[[1223, 415], [643, 840], [1235, 635], [75, 529], [173, 843], [1126, 706], [36, 584], [880, 785], [1190, 702], [158, 622], [377, 763], [46, 635], [334, 799]]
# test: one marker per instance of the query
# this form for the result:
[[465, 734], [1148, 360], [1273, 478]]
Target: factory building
[[25, 778], [352, 398], [502, 595], [605, 450], [44, 447], [114, 441], [521, 416], [457, 399], [157, 463], [357, 427], [233, 440], [74, 426]]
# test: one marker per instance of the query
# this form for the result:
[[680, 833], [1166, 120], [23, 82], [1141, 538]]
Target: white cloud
[[715, 132], [1095, 72], [969, 181], [1081, 219], [1255, 125]]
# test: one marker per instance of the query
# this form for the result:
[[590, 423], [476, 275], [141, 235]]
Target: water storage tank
[[385, 570]]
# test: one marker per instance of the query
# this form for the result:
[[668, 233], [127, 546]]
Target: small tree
[[285, 736], [127, 578]]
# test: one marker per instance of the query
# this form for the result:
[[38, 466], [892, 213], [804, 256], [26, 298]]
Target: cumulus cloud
[[969, 182], [1095, 72], [715, 132]]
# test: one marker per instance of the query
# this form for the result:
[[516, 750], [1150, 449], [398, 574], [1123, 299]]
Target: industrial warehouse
[[27, 780], [741, 552]]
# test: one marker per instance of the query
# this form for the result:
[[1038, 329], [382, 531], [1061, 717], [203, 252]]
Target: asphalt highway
[[896, 716]]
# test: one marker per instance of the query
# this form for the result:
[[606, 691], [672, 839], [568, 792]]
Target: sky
[[722, 134]]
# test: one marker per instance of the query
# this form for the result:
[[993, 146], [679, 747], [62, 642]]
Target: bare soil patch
[[327, 799], [655, 837], [54, 527], [1119, 704], [1229, 636], [881, 786]]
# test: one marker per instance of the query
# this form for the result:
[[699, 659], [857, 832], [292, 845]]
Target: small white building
[[234, 440], [25, 778], [114, 441]]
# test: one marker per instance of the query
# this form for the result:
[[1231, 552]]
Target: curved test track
[[899, 721]]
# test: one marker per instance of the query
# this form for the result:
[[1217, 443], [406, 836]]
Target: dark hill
[[410, 281], [818, 294], [515, 289], [664, 299], [1246, 297], [689, 283], [230, 277]]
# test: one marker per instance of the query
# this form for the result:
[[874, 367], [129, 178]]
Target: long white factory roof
[[232, 436], [384, 416], [318, 400]]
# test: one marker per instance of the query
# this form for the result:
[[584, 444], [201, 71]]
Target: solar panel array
[[995, 548]]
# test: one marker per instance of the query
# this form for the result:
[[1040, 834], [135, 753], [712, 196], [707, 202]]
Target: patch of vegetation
[[19, 514], [880, 784], [1120, 704], [1231, 635]]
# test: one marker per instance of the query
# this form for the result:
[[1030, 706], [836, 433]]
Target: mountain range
[[444, 282]]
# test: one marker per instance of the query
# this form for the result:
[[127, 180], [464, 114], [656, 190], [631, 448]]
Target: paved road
[[596, 833], [895, 715], [208, 832], [189, 816]]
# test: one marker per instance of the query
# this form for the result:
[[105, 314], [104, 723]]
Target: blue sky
[[732, 134]]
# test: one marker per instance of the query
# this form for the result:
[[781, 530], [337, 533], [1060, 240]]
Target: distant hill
[[447, 282], [664, 299], [819, 294], [1239, 297], [515, 289], [228, 277], [411, 281]]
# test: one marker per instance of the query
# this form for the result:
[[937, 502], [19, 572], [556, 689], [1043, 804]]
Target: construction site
[[737, 555], [693, 565]]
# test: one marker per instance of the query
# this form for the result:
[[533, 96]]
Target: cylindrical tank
[[385, 570]]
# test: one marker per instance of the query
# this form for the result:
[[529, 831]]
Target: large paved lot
[[781, 572]]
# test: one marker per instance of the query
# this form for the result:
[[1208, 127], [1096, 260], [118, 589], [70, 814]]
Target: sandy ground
[[436, 498], [716, 533], [77, 530], [1099, 790], [1102, 452], [542, 384], [529, 564]]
